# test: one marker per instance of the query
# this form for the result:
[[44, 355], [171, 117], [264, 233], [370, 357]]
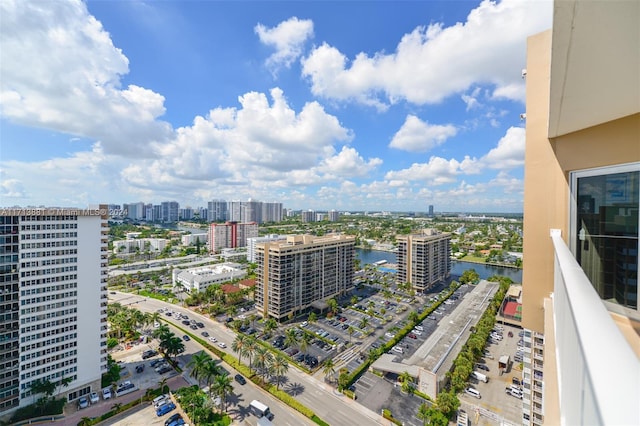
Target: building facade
[[230, 235], [252, 242], [296, 273], [424, 260], [53, 307], [581, 202]]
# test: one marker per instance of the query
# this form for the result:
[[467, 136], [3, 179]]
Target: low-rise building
[[198, 279]]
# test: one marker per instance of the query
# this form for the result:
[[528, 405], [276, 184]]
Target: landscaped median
[[244, 370]]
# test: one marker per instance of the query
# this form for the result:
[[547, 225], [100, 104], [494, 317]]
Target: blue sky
[[347, 105]]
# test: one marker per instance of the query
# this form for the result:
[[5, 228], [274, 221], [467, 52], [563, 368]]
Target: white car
[[222, 344], [93, 397], [106, 393], [398, 349], [212, 339], [416, 331]]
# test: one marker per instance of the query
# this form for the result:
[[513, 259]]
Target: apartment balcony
[[597, 368]]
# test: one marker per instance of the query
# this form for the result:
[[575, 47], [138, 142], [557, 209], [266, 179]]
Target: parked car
[[164, 409], [186, 338], [205, 334], [149, 353], [412, 336], [240, 379], [482, 367], [173, 418], [94, 397], [106, 393], [83, 402], [139, 368]]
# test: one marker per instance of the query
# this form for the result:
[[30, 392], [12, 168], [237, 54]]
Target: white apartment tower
[[53, 301], [424, 259], [295, 274]]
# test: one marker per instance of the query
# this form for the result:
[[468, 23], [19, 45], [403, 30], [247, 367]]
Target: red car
[[412, 336]]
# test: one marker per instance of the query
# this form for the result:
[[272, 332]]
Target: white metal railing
[[598, 372]]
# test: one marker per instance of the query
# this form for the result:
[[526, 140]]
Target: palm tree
[[413, 317], [197, 364], [270, 325], [424, 413], [210, 371], [354, 299], [407, 382], [222, 387], [364, 322], [162, 383], [304, 342], [312, 317], [172, 346], [350, 330], [239, 345], [263, 360], [250, 349], [328, 368], [279, 367], [291, 337]]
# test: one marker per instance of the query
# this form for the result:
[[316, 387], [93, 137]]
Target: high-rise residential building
[[230, 235], [251, 244], [424, 260], [217, 211], [308, 216], [581, 201], [430, 209], [334, 216], [53, 303], [185, 213], [272, 212], [295, 274], [169, 211]]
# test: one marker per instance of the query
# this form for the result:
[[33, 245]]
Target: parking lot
[[494, 403]]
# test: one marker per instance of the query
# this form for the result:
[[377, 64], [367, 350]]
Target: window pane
[[607, 234]]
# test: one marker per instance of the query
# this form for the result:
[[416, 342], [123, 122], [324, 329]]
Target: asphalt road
[[321, 398]]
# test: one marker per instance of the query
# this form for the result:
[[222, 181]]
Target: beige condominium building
[[424, 260], [581, 200], [53, 301], [294, 274]]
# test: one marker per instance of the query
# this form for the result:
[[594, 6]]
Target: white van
[[260, 410], [472, 392]]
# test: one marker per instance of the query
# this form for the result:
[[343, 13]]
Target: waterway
[[457, 267]]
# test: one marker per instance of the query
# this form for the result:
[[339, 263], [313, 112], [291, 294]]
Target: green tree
[[364, 322], [407, 382], [198, 363], [239, 345], [328, 368], [447, 403], [279, 367], [291, 338], [222, 387], [350, 330], [270, 325], [263, 360], [172, 346], [312, 317], [354, 299], [250, 347]]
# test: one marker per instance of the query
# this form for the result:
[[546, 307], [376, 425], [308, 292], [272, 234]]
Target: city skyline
[[351, 106]]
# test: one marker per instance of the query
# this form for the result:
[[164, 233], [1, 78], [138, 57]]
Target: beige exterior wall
[[548, 163]]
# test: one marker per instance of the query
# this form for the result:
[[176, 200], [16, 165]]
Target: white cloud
[[510, 150], [61, 71], [416, 135], [437, 171], [434, 62], [348, 163], [12, 188], [288, 38]]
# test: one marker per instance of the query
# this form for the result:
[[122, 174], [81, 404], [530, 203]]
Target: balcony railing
[[597, 369]]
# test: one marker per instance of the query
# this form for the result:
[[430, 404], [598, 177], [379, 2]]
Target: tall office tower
[[308, 216], [430, 209], [334, 216], [217, 211], [581, 202], [424, 259], [169, 211], [53, 303], [230, 235], [303, 271]]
